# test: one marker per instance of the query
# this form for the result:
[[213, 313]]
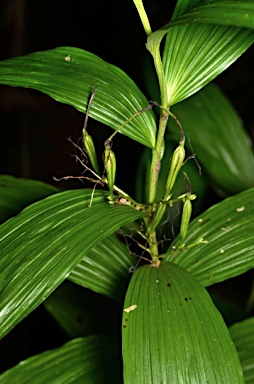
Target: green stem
[[157, 156], [157, 153], [155, 170], [161, 77], [143, 16]]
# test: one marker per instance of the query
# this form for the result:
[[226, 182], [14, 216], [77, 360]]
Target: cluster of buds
[[108, 159]]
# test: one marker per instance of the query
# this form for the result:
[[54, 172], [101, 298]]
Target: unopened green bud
[[175, 166], [186, 214], [157, 217], [90, 150], [110, 167]]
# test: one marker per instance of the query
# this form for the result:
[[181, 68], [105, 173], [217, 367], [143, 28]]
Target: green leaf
[[182, 6], [15, 194], [228, 227], [243, 336], [196, 53], [173, 333], [69, 75], [91, 360], [41, 246], [218, 138], [225, 12], [105, 268]]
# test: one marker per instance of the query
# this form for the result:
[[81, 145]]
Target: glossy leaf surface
[[228, 228], [243, 336], [173, 333], [91, 360], [41, 246], [226, 12], [105, 268], [69, 75], [205, 40]]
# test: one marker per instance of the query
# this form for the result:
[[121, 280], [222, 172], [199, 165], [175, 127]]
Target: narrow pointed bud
[[90, 151], [110, 167], [157, 217], [175, 166], [186, 214]]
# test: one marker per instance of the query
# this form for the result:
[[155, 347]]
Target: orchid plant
[[171, 331]]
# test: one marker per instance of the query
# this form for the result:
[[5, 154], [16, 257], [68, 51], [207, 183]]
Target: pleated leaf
[[69, 75], [93, 271], [218, 139], [90, 360], [16, 193], [228, 228], [243, 336], [226, 12], [41, 246], [173, 333], [197, 52]]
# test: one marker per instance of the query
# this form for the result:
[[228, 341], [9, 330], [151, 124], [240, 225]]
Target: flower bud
[[157, 217], [90, 150], [175, 166], [110, 167], [186, 214]]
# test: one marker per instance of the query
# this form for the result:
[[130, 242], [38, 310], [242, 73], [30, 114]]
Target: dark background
[[35, 128]]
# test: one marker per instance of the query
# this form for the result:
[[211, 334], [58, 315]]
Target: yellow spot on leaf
[[240, 209]]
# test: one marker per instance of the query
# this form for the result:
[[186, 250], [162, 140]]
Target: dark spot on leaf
[[168, 285], [124, 326], [126, 319], [187, 298]]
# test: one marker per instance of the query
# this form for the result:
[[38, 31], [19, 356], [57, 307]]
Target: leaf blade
[[196, 49], [242, 335], [89, 360], [225, 12], [46, 241], [198, 54], [228, 253], [218, 139], [167, 310], [105, 268], [69, 75]]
